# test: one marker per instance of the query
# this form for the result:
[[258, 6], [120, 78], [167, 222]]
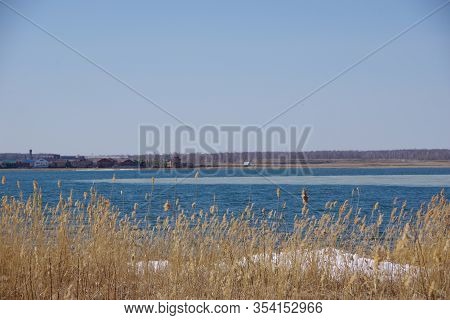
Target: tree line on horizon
[[239, 158], [298, 157]]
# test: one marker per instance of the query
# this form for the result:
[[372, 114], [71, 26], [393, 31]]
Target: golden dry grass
[[83, 250]]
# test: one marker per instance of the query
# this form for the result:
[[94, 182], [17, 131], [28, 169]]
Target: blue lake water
[[234, 189]]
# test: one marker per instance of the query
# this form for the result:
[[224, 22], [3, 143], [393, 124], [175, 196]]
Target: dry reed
[[84, 250]]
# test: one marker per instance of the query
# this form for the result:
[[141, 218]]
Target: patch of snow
[[152, 265], [336, 261]]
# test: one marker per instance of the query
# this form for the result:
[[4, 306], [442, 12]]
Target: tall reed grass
[[84, 250]]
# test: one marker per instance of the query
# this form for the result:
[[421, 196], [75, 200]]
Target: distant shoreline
[[329, 164]]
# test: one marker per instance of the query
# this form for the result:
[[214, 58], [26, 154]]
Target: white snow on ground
[[341, 261], [152, 265], [336, 261]]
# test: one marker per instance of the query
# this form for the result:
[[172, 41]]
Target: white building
[[40, 163]]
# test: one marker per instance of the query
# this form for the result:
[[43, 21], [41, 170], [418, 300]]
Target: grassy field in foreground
[[83, 250]]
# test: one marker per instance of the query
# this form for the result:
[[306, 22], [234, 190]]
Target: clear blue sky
[[223, 62]]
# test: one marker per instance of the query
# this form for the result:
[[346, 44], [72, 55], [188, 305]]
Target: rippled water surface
[[233, 189]]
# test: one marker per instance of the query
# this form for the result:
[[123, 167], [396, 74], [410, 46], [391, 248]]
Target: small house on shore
[[82, 163], [128, 163], [59, 164], [106, 163], [41, 163]]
